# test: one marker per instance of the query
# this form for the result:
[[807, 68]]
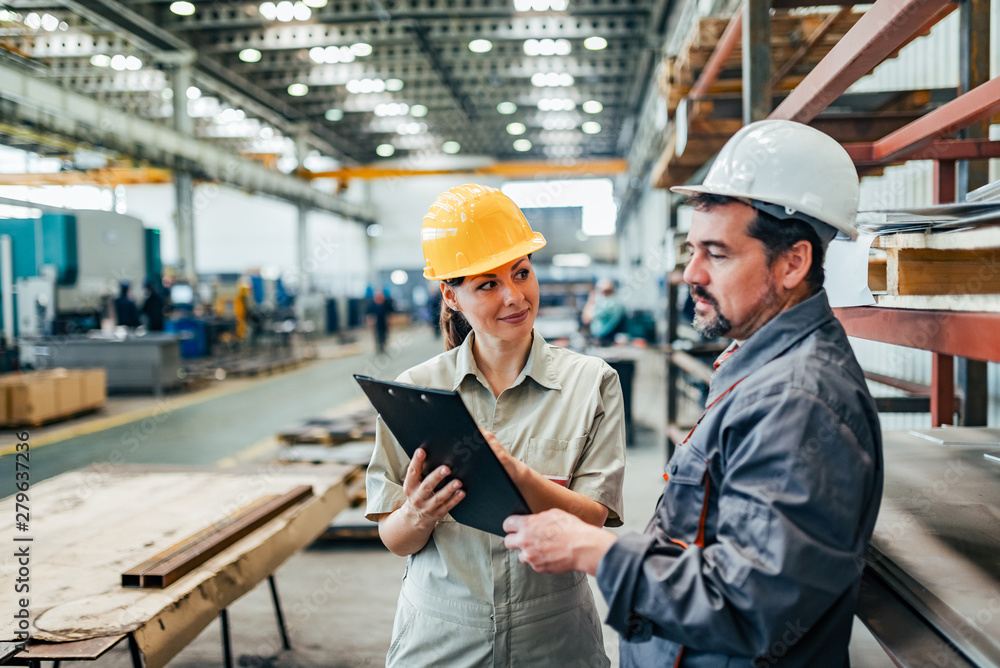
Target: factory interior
[[210, 221]]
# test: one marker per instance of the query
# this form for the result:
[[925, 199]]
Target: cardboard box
[[94, 388], [32, 401], [69, 399]]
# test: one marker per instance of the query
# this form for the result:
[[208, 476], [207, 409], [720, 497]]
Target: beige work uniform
[[466, 600]]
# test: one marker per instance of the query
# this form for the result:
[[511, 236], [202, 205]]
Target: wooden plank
[[938, 272], [984, 303], [877, 274], [981, 237]]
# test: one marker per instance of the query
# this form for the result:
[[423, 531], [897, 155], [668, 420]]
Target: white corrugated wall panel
[[927, 62]]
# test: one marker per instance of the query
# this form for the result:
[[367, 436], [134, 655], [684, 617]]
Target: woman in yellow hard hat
[[465, 599]]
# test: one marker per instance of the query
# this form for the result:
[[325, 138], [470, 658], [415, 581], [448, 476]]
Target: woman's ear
[[449, 296]]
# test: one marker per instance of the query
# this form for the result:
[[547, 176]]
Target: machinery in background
[[65, 267]]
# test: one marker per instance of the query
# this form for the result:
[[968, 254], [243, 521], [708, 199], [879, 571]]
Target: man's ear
[[794, 265], [448, 295]]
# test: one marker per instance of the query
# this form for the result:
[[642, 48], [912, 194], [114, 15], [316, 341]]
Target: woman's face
[[501, 304]]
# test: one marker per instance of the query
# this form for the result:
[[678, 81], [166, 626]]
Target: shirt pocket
[[684, 496], [554, 458], [744, 531]]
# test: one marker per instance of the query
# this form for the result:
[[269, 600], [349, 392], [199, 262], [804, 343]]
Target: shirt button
[[673, 469]]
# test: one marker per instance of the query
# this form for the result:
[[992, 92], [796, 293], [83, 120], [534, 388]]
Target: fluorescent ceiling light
[[361, 49], [522, 145], [506, 108], [298, 89], [182, 8], [451, 147], [418, 111], [595, 43], [385, 150], [515, 128], [250, 56], [593, 107], [333, 115], [591, 127], [571, 260], [480, 46], [394, 85]]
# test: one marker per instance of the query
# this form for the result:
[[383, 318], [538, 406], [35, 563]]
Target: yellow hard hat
[[471, 229]]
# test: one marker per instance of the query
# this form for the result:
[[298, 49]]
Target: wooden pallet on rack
[[957, 271]]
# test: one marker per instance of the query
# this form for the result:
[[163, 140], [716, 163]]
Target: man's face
[[731, 283]]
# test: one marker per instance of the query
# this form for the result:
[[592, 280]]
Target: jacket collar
[[539, 367], [770, 341]]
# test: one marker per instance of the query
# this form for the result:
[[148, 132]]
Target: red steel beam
[[730, 37], [979, 103], [882, 29], [971, 334], [943, 390], [863, 153]]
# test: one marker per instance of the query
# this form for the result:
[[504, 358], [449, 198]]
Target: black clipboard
[[439, 422]]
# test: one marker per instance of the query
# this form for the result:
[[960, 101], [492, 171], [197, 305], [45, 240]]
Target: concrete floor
[[338, 598]]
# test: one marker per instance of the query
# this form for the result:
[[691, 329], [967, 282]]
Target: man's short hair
[[777, 236]]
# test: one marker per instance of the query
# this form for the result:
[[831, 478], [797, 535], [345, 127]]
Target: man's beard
[[708, 325]]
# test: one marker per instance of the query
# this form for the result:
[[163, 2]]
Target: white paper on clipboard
[[846, 270]]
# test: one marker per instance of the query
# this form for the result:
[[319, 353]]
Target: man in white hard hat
[[755, 551]]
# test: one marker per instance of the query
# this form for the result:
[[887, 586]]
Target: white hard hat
[[789, 170]]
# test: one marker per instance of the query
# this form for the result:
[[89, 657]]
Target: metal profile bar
[[969, 334], [98, 124], [918, 389], [880, 31], [194, 553], [519, 168], [817, 34], [692, 365], [979, 103], [133, 576], [863, 153], [727, 42], [944, 181]]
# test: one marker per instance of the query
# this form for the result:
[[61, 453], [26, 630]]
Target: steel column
[[942, 389], [709, 73], [673, 317], [944, 181], [974, 70], [757, 98], [882, 29]]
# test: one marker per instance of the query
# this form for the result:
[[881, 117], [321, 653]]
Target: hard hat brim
[[493, 261]]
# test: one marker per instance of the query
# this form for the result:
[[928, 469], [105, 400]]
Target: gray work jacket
[[755, 552]]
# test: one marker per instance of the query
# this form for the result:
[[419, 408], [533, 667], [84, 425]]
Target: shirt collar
[[539, 367], [770, 341]]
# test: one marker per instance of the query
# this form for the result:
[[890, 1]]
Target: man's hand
[[556, 542]]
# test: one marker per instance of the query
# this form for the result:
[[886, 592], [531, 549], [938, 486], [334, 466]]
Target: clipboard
[[439, 422]]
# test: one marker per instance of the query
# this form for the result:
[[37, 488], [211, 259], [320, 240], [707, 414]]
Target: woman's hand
[[514, 468], [425, 506]]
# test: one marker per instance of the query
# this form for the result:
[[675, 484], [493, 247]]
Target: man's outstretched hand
[[555, 541]]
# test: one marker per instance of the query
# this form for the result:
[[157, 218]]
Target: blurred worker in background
[[378, 317], [559, 417], [126, 313], [755, 551], [604, 313], [154, 307]]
